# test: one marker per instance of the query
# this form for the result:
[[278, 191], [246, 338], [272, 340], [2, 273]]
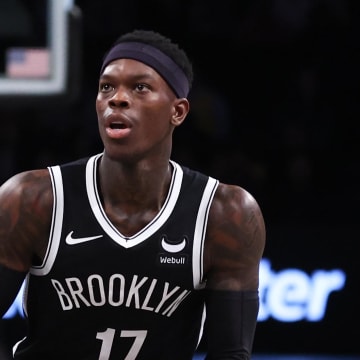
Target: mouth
[[117, 126], [117, 130]]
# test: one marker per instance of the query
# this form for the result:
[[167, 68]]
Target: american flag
[[27, 63]]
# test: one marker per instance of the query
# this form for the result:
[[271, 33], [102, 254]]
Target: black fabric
[[233, 314], [10, 284], [88, 289], [154, 58]]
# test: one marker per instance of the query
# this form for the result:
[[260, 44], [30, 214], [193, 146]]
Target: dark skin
[[137, 114]]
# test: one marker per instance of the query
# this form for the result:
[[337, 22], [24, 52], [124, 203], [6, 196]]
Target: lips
[[117, 128], [117, 131], [117, 125]]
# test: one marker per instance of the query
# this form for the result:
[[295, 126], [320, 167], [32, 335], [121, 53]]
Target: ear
[[180, 111]]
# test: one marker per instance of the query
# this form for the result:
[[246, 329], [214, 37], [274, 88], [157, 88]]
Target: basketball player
[[128, 255]]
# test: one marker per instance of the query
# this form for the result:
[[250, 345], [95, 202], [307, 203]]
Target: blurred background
[[274, 108]]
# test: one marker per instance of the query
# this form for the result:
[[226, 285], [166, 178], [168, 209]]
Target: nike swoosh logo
[[73, 241], [173, 248]]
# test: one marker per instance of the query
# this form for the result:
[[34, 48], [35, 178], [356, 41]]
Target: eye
[[141, 87], [105, 87]]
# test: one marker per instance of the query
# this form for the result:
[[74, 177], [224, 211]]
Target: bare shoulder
[[238, 207], [27, 188], [25, 217], [235, 239]]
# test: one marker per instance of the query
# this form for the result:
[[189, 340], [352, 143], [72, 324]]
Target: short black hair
[[164, 44]]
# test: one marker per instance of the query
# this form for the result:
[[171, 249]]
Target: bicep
[[235, 240], [25, 216]]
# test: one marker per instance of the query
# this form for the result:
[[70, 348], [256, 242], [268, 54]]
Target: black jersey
[[102, 295]]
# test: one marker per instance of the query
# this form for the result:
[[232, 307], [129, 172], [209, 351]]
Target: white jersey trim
[[200, 232], [56, 223], [149, 229]]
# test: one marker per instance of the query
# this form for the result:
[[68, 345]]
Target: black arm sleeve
[[10, 284], [231, 318]]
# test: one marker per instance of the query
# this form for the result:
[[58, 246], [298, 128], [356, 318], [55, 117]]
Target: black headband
[[153, 57]]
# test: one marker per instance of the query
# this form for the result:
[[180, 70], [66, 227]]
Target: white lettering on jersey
[[96, 291]]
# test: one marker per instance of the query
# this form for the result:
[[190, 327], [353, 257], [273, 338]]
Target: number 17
[[107, 338]]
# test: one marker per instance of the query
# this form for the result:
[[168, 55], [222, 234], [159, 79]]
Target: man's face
[[135, 107]]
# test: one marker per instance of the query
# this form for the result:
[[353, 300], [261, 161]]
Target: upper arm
[[235, 240], [25, 218]]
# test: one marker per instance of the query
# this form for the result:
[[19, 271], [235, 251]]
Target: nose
[[120, 98]]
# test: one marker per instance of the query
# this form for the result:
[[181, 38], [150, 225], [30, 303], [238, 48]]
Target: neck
[[134, 184]]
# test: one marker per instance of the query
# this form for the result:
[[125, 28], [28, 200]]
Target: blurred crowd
[[274, 108], [274, 104]]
